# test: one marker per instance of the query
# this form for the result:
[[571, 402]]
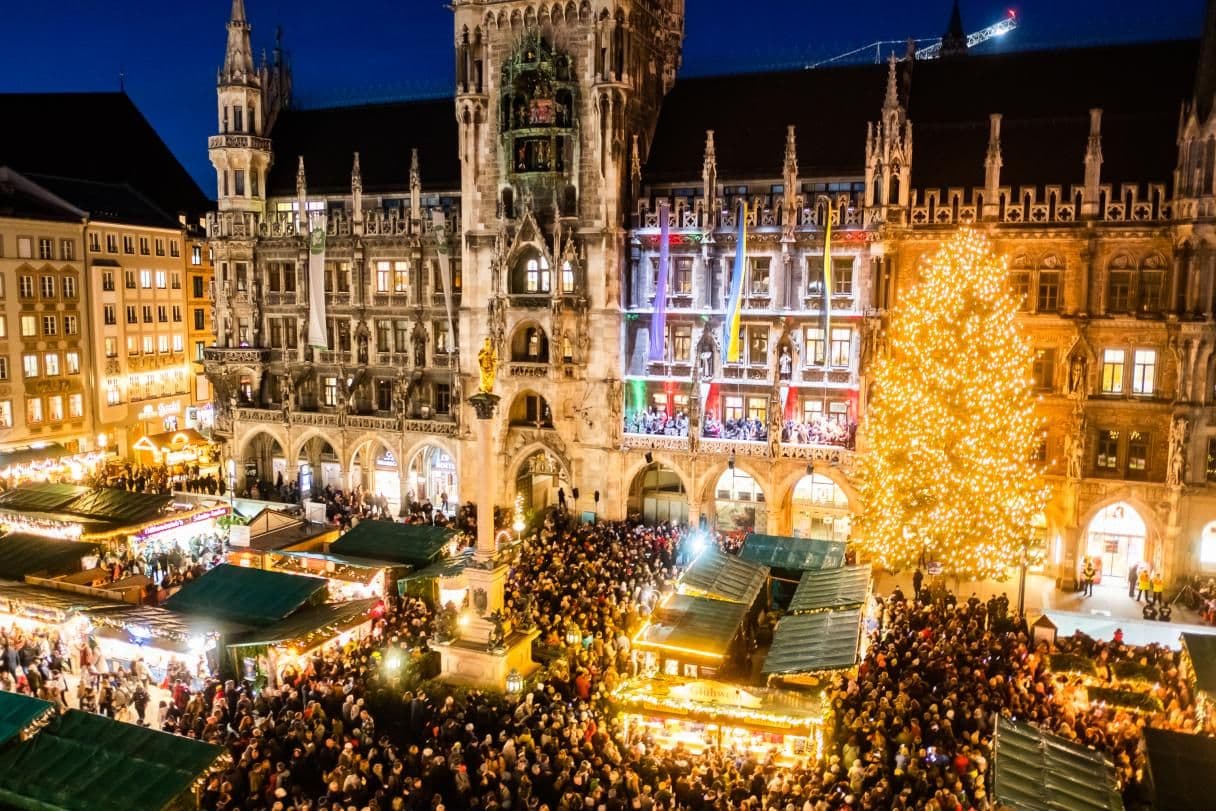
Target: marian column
[[487, 648]]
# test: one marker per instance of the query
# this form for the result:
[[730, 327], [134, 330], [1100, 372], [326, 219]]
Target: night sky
[[344, 52]]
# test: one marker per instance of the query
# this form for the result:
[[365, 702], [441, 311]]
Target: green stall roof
[[22, 555], [326, 621], [1180, 768], [796, 554], [724, 577], [845, 587], [23, 598], [38, 498], [410, 544], [85, 762], [811, 643], [694, 623], [1201, 649], [17, 712], [246, 596], [1034, 770], [120, 507]]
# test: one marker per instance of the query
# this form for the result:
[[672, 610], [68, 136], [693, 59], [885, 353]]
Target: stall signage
[[175, 523], [714, 693]]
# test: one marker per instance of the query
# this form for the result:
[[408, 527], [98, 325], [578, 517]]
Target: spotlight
[[730, 463], [574, 493], [649, 457]]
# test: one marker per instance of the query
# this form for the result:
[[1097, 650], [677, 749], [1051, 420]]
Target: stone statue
[[523, 611], [1076, 377], [487, 362], [498, 634], [1074, 446], [785, 364], [1175, 473]]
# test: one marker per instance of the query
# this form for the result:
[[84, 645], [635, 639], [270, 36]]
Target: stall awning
[[24, 599], [337, 567], [411, 544], [246, 596], [813, 643], [120, 507], [1201, 650], [697, 625], [1180, 767], [723, 577], [171, 441], [86, 762], [793, 554], [18, 713], [153, 622], [311, 626], [1034, 770], [22, 555], [40, 498], [31, 453], [449, 567], [845, 587]]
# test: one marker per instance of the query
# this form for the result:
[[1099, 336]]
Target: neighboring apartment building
[[45, 370], [133, 199]]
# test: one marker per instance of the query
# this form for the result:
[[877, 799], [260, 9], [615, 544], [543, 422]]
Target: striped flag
[[734, 309], [317, 334], [827, 282], [658, 319]]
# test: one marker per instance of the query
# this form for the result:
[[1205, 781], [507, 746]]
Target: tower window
[[238, 123], [238, 182]]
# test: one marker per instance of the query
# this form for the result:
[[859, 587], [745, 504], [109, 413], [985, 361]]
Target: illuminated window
[[1108, 450], [1113, 361], [6, 413], [733, 409], [842, 339], [29, 326], [51, 362], [1144, 371], [1044, 369], [815, 346], [71, 362], [54, 408], [29, 365], [33, 410]]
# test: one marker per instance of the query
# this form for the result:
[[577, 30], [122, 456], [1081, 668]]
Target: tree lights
[[950, 476]]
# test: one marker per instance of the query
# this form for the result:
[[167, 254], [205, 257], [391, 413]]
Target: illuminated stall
[[279, 651], [349, 578], [763, 722], [47, 461], [169, 643], [271, 530], [38, 608], [1199, 668], [178, 450]]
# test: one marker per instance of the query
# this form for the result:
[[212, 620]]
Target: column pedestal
[[469, 659]]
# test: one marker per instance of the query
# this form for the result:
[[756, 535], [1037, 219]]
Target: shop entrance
[[739, 503], [658, 496], [375, 469], [819, 509], [538, 480], [1116, 540], [431, 474]]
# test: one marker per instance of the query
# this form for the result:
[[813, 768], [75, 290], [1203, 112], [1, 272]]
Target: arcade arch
[[318, 466], [264, 459], [658, 495], [819, 509], [739, 502], [431, 474], [1116, 538], [375, 468], [538, 477]]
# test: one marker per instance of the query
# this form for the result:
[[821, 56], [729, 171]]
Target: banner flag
[[317, 335], [827, 283], [658, 320], [445, 271], [734, 309]]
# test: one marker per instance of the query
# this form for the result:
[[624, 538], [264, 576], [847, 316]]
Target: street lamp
[[231, 481], [573, 635], [515, 683]]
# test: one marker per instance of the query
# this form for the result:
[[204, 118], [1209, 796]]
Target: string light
[[949, 476]]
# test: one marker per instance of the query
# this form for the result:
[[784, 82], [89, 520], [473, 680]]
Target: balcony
[[234, 141], [355, 422], [235, 354], [534, 370]]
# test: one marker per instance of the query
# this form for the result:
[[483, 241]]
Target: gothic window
[[537, 107], [532, 275], [529, 344]]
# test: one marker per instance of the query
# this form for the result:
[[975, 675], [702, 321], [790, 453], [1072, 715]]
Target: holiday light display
[[949, 476]]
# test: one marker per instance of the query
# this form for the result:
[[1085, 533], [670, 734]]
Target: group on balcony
[[819, 430], [655, 422], [747, 429]]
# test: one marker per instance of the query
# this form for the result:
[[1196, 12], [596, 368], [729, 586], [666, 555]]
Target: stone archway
[[738, 500], [658, 494], [318, 464], [431, 474], [537, 474], [262, 459], [1117, 538], [374, 467]]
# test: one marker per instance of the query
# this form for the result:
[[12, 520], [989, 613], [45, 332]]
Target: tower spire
[[891, 101], [709, 178], [954, 41], [415, 186], [238, 58], [1205, 77]]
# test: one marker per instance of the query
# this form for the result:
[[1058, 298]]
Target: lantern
[[515, 683]]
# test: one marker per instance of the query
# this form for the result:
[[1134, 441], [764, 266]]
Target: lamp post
[[231, 482], [1022, 579]]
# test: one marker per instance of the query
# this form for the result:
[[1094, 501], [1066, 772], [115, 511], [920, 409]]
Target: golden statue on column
[[487, 361]]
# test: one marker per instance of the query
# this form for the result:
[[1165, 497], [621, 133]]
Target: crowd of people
[[746, 429], [820, 430], [158, 479], [358, 727]]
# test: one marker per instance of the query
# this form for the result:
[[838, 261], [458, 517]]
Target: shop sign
[[175, 523], [709, 692], [238, 535]]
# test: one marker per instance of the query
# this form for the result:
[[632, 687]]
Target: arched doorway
[[538, 479], [265, 460], [739, 503], [1116, 539], [319, 466], [375, 468], [657, 494], [819, 509], [431, 474]]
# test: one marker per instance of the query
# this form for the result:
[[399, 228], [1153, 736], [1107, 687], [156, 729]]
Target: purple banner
[[658, 320]]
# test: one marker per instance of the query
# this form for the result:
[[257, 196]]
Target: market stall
[[47, 461], [692, 637], [440, 583], [824, 589], [21, 716], [694, 715], [808, 649], [80, 761], [39, 608], [247, 596], [1033, 770], [788, 557], [270, 530], [278, 651], [172, 645], [178, 451], [724, 577], [349, 577], [22, 555], [1199, 666], [1180, 768], [416, 545]]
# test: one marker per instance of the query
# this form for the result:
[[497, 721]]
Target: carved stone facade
[[540, 230]]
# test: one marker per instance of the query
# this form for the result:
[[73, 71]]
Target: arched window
[[532, 276], [529, 344], [567, 277]]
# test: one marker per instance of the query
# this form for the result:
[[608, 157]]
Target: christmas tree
[[950, 475]]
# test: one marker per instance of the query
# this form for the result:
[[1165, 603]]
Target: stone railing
[[258, 415], [828, 454], [655, 442], [528, 370], [763, 211], [734, 447], [237, 141], [319, 419], [232, 354], [1038, 205], [371, 423], [430, 427]]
